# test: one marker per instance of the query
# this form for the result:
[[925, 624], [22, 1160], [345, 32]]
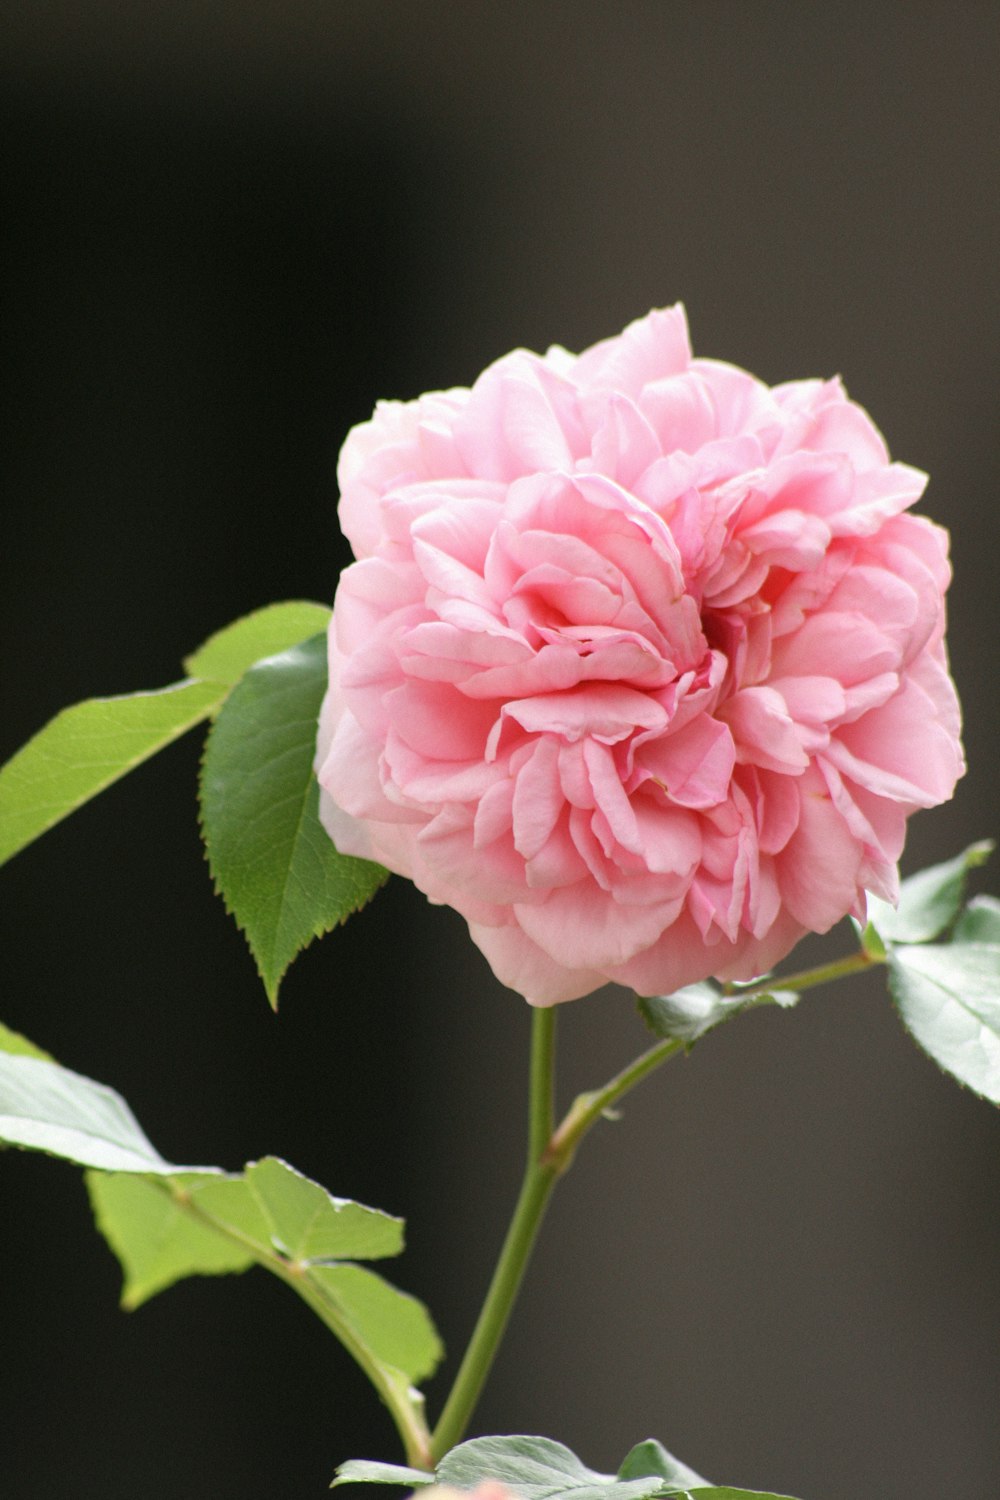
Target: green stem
[[808, 979], [587, 1109], [550, 1153], [404, 1404], [540, 1175]]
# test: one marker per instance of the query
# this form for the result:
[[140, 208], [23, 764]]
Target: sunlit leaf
[[231, 651], [156, 1241], [19, 1046], [308, 1224], [166, 1222], [395, 1326], [86, 748], [90, 745]]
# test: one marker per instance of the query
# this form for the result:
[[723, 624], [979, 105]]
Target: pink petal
[[693, 766], [763, 730], [520, 964]]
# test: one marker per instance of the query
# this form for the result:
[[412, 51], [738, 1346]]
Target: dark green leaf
[[929, 901], [690, 1012], [231, 651], [370, 1471], [86, 748], [979, 922], [948, 996], [272, 860], [651, 1457]]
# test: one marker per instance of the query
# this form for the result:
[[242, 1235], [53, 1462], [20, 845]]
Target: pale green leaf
[[47, 1108], [272, 861], [979, 922], [538, 1468], [165, 1222], [371, 1471], [307, 1223], [155, 1239], [948, 996], [690, 1012], [929, 901], [651, 1458], [231, 651], [395, 1326], [86, 748]]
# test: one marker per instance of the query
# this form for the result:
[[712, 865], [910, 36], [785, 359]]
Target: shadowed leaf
[[273, 862]]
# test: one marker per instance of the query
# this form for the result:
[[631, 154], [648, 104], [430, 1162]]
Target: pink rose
[[641, 666]]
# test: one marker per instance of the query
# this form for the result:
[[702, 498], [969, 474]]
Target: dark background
[[226, 231]]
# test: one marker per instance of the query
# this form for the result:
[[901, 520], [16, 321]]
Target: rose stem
[[540, 1176], [550, 1153]]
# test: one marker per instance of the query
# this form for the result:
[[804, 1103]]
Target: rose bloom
[[641, 664]]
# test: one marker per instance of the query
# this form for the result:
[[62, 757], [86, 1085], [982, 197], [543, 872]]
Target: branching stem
[[550, 1153]]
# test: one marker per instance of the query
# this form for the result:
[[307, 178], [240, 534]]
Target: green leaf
[[371, 1471], [155, 1239], [929, 901], [231, 651], [948, 996], [690, 1012], [537, 1468], [651, 1457], [308, 1224], [979, 922], [13, 1042], [47, 1108], [86, 748], [273, 862], [90, 745], [723, 1492], [165, 1222], [229, 1202], [396, 1327]]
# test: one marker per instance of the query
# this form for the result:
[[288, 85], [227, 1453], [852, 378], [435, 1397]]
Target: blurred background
[[227, 230]]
